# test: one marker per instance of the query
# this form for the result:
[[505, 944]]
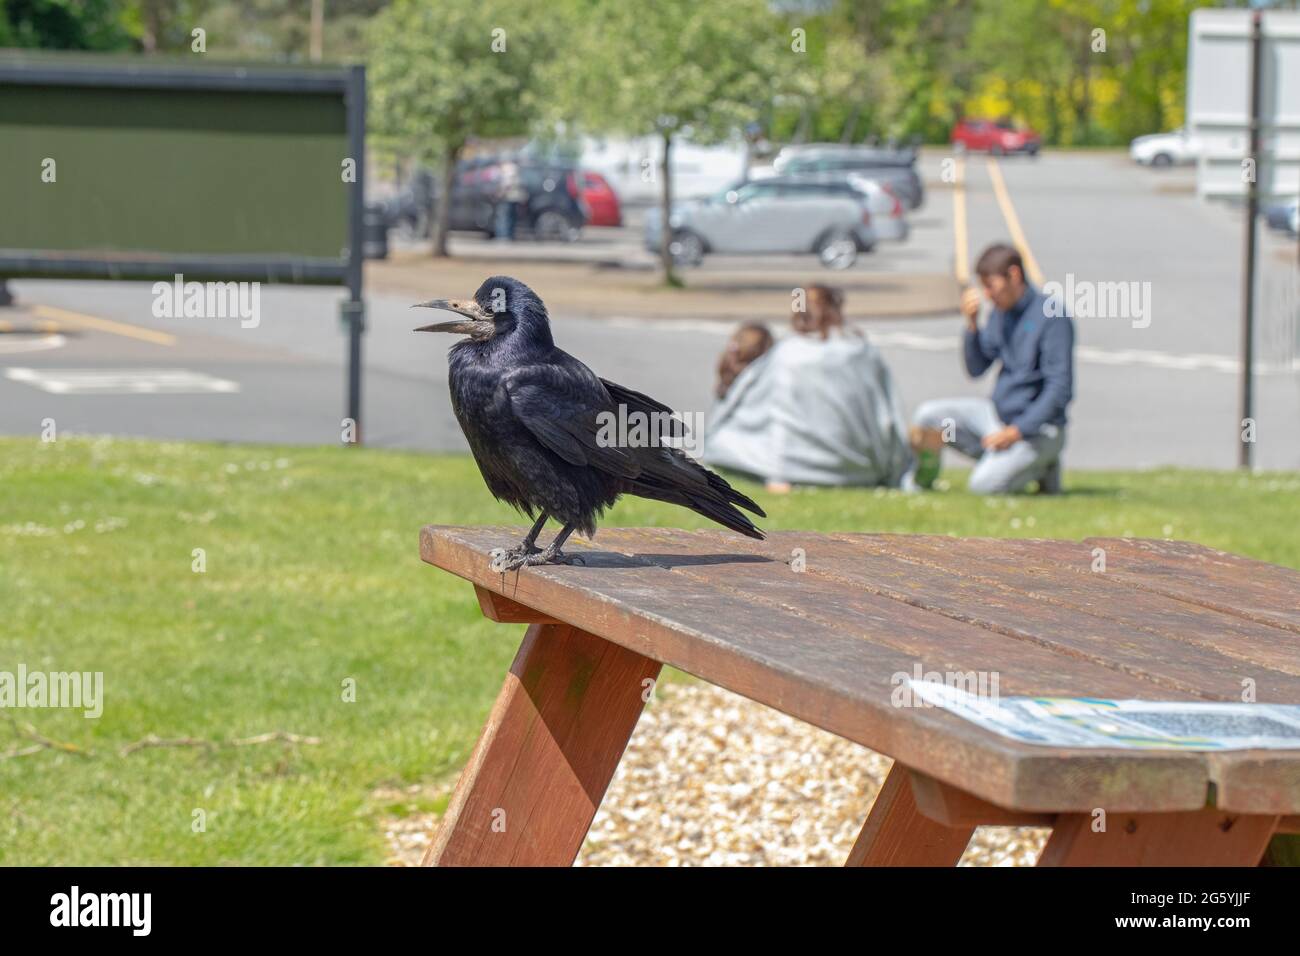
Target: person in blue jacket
[[1017, 436]]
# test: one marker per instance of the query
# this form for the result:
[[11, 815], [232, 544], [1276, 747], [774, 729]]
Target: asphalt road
[[1155, 386]]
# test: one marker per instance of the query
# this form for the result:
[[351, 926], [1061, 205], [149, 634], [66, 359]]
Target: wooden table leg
[[547, 753], [898, 834], [1194, 838]]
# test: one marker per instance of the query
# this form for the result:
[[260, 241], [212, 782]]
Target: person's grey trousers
[[965, 421]]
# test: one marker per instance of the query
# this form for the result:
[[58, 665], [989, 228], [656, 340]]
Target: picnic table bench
[[820, 625]]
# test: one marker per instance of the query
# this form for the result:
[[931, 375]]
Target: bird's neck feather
[[535, 328], [508, 349]]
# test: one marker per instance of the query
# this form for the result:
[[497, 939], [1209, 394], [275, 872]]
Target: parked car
[[778, 215], [602, 202], [375, 235], [410, 209], [1284, 216], [697, 170], [895, 168], [1165, 149], [887, 155], [888, 212], [998, 137], [554, 209], [888, 218]]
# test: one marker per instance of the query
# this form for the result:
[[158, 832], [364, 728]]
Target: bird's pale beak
[[477, 322]]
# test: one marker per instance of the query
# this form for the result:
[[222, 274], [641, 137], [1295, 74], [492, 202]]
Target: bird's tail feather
[[676, 470], [723, 512], [732, 495], [727, 516], [711, 497]]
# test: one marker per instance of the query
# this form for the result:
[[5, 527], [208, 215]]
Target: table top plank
[[824, 650], [1254, 590], [860, 562], [1041, 570], [841, 616]]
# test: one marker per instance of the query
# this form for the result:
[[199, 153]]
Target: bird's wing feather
[[667, 472], [561, 404], [653, 409]]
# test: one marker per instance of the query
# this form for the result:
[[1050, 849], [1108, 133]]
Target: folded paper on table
[[1124, 724]]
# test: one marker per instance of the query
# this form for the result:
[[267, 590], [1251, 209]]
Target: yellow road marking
[[1013, 223], [44, 326], [960, 242], [105, 325]]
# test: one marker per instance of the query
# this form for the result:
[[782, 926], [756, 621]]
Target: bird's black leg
[[501, 557], [552, 554]]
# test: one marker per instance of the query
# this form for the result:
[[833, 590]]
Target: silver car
[[895, 168], [770, 216]]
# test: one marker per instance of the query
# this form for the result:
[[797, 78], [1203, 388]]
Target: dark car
[[894, 168], [553, 209], [1284, 216], [409, 210]]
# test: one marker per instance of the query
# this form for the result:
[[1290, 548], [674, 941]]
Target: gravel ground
[[711, 778]]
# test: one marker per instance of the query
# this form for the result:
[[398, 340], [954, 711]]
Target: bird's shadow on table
[[613, 560]]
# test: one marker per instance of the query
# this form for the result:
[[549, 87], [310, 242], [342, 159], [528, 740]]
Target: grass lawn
[[313, 577]]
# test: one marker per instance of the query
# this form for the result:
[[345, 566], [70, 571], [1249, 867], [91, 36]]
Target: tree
[[57, 25], [282, 29], [667, 69], [443, 71], [1085, 71]]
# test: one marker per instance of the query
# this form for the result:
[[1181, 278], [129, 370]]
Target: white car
[[888, 220], [697, 170], [776, 215], [1165, 149]]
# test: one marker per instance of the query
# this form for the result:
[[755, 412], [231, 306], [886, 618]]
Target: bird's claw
[[559, 557], [516, 558], [507, 559]]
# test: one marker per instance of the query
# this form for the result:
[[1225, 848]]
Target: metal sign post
[[1246, 448], [355, 308]]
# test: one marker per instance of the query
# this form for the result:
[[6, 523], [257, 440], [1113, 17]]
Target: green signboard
[[131, 167], [147, 167]]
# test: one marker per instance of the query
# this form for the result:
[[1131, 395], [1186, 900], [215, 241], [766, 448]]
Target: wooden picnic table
[[820, 625]]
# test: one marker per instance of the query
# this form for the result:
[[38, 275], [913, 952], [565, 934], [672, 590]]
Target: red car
[[995, 136], [601, 200]]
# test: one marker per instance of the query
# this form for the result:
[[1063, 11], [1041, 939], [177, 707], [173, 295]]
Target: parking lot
[[1156, 385]]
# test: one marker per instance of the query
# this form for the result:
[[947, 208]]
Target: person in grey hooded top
[[819, 407]]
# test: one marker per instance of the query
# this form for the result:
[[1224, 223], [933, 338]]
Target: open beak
[[476, 322]]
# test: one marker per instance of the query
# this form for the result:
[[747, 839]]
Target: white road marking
[[120, 381], [13, 344], [912, 341], [1185, 362]]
